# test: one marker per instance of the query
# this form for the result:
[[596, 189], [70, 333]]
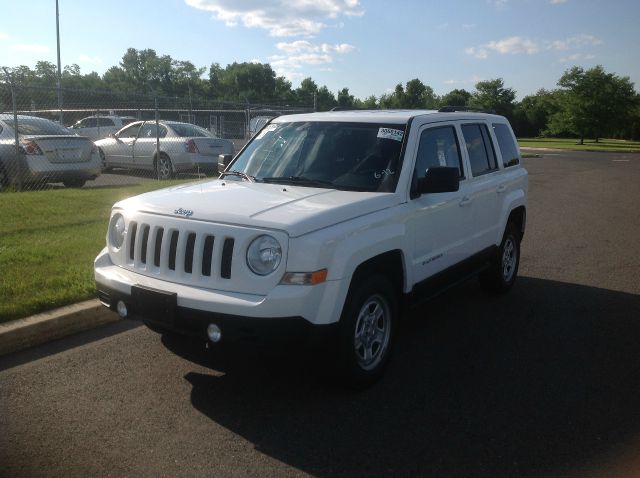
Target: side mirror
[[223, 161], [439, 180]]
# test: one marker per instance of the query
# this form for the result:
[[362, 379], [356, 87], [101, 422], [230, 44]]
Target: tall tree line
[[586, 103]]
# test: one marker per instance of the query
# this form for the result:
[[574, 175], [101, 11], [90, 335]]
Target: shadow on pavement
[[543, 381]]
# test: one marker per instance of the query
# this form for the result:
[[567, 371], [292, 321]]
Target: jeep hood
[[294, 209]]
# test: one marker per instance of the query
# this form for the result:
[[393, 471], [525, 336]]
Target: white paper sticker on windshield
[[267, 129], [388, 133]]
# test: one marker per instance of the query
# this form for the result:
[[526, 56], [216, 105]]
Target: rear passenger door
[[442, 222], [484, 185]]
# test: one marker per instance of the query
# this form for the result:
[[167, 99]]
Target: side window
[[88, 123], [149, 131], [130, 132], [438, 147], [482, 155], [105, 122], [508, 148]]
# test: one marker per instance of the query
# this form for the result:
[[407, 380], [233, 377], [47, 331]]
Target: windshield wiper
[[300, 180], [240, 174]]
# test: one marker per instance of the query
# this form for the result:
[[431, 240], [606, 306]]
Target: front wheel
[[502, 273], [367, 329], [164, 169], [74, 183]]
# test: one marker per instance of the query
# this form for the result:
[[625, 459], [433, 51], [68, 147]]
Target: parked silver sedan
[[183, 148], [48, 152]]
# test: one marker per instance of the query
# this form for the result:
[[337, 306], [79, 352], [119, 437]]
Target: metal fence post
[[157, 138], [15, 128]]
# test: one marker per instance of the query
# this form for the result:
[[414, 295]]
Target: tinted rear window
[[189, 130], [508, 147], [37, 126]]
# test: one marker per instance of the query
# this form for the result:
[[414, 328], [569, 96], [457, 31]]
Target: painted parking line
[[620, 160]]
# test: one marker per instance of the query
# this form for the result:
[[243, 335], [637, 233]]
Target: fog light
[[214, 333], [121, 307]]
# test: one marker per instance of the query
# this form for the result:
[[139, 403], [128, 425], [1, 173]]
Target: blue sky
[[365, 45]]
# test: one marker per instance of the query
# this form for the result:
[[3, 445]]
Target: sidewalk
[[40, 328]]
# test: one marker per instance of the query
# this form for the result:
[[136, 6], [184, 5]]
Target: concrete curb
[[38, 329]]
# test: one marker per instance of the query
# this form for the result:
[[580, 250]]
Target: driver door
[[120, 151]]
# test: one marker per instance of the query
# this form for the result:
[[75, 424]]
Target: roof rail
[[453, 109], [352, 108]]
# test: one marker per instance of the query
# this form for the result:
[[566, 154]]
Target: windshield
[[38, 126], [350, 156]]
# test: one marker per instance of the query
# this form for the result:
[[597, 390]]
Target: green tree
[[344, 99], [492, 95], [325, 100], [531, 116], [457, 97], [593, 102]]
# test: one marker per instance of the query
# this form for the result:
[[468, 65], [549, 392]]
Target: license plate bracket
[[157, 305]]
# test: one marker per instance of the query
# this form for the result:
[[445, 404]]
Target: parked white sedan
[[98, 127], [183, 148]]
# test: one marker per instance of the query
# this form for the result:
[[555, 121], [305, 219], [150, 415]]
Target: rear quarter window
[[508, 147]]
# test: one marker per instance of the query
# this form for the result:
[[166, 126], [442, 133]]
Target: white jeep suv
[[320, 227]]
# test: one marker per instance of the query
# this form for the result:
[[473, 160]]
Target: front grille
[[183, 252]]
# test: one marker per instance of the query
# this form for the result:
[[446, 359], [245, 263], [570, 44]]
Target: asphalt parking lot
[[544, 382]]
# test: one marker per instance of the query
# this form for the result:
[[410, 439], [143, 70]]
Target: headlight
[[116, 231], [264, 255]]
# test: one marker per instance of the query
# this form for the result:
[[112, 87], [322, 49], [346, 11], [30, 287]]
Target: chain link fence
[[77, 138]]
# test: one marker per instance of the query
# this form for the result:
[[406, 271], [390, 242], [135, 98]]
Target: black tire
[[163, 167], [74, 183], [103, 160], [367, 329], [503, 271]]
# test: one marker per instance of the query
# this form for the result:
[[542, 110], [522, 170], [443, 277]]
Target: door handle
[[465, 201], [502, 188]]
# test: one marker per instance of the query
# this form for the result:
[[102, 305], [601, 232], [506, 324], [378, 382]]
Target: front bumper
[[194, 323], [285, 312]]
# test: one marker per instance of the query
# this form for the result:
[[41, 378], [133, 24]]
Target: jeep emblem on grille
[[183, 212]]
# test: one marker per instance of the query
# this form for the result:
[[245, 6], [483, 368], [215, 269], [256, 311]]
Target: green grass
[[48, 241], [604, 145]]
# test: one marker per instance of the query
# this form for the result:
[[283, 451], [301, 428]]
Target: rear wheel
[[164, 169], [367, 329], [502, 273], [103, 160], [74, 183]]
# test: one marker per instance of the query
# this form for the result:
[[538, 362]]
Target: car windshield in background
[[341, 155], [126, 121], [190, 131], [36, 126]]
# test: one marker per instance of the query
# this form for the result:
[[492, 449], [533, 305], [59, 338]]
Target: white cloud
[[469, 26], [4, 36], [499, 4], [574, 42], [33, 48], [557, 2], [514, 45], [519, 45], [300, 53], [300, 46], [576, 57], [281, 18], [477, 52]]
